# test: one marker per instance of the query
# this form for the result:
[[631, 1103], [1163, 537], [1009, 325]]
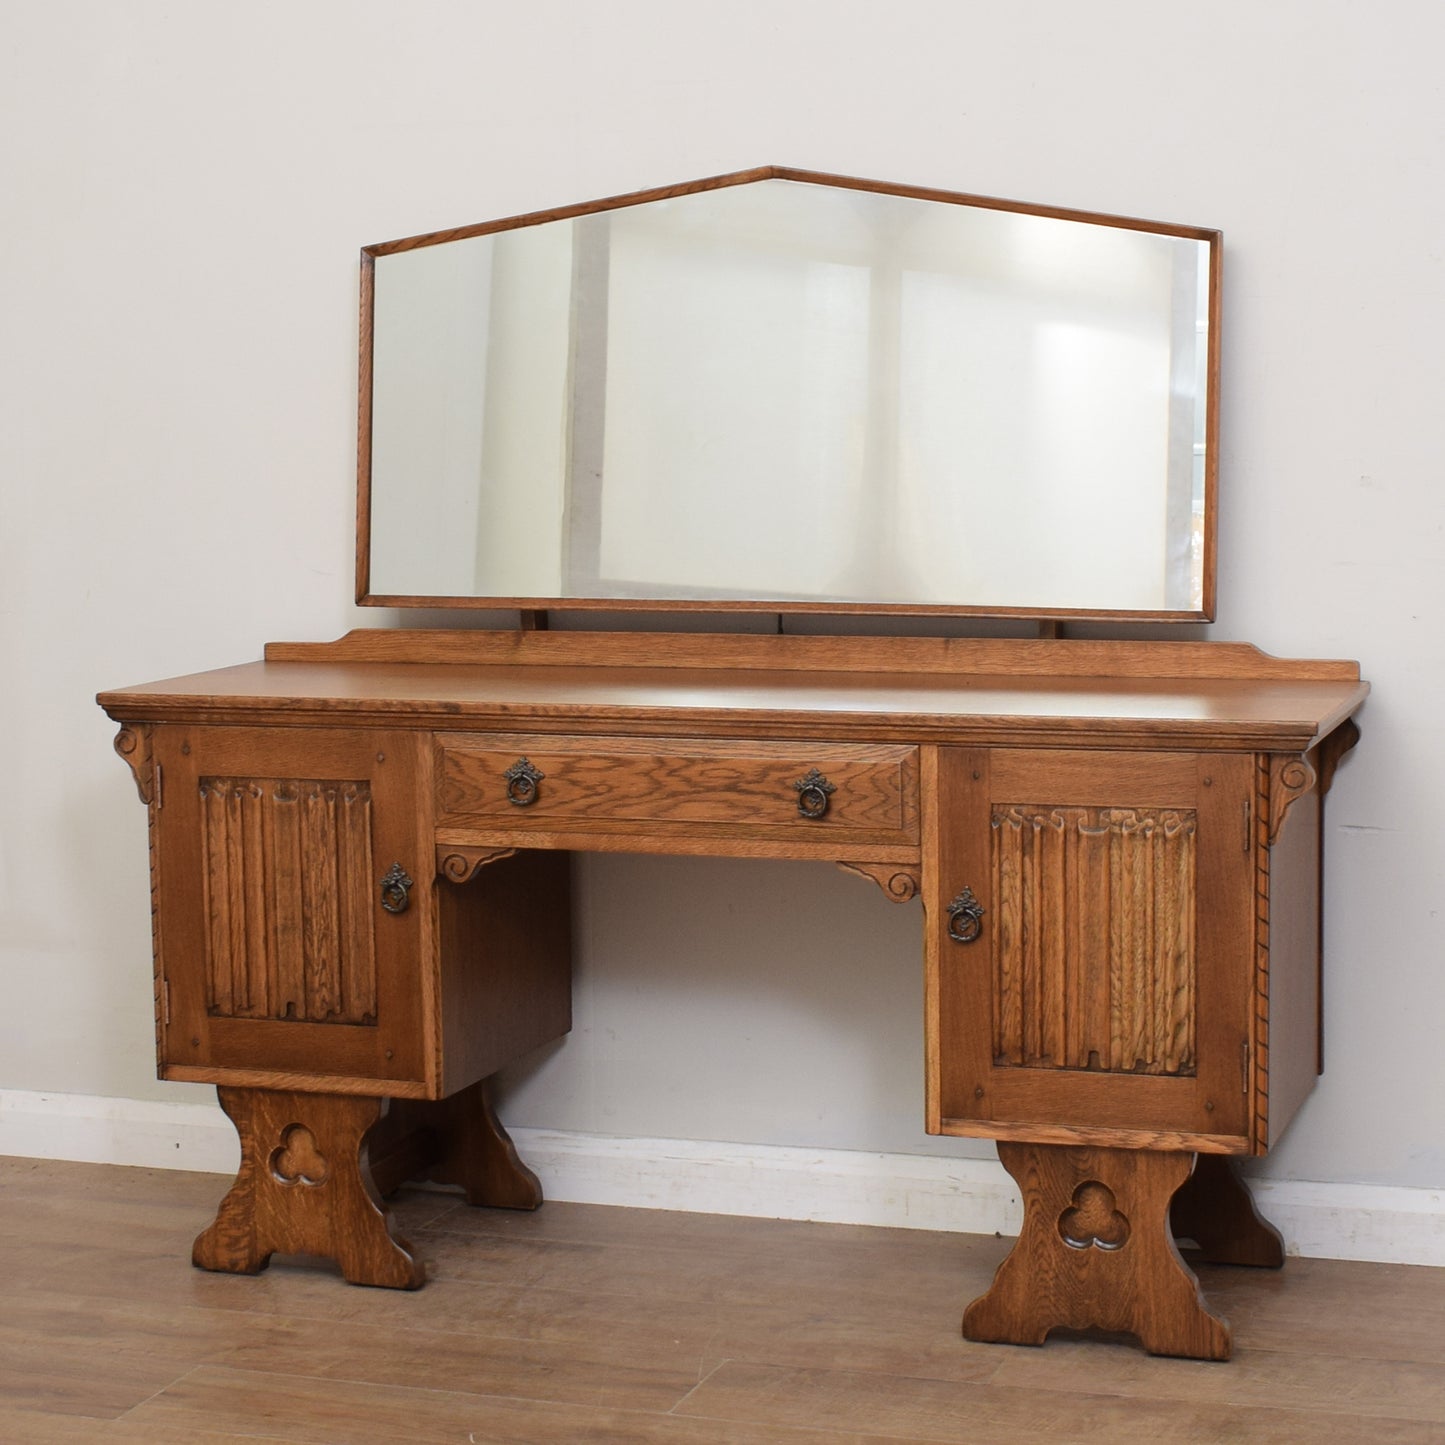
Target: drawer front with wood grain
[[852, 792]]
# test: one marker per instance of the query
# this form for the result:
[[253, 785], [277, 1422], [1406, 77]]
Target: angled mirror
[[792, 392]]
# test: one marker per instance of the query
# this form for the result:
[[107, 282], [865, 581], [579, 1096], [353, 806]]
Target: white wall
[[185, 189]]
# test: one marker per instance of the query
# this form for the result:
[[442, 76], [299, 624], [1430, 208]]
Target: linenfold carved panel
[[1094, 938], [287, 898]]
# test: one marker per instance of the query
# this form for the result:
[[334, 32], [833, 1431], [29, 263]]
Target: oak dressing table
[[360, 878]]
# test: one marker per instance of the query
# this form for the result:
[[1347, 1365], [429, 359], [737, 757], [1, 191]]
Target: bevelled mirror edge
[[1203, 604]]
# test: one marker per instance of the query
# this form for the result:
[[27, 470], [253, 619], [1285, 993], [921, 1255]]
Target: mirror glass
[[792, 394]]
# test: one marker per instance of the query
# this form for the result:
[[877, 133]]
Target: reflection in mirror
[[790, 392]]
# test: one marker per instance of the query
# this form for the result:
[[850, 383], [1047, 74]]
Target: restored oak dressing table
[[360, 877]]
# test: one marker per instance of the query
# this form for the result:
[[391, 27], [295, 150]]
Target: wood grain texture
[[1117, 832], [1094, 938], [679, 783], [897, 656], [1116, 962], [1096, 1252], [305, 1187], [288, 872], [871, 690], [277, 956]]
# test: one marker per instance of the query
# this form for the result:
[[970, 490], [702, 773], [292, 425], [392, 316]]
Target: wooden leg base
[[1215, 1210], [1096, 1252], [305, 1187], [458, 1140]]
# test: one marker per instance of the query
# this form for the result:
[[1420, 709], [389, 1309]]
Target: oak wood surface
[[1110, 985], [506, 965], [647, 1326], [305, 1187], [1096, 1252], [275, 950], [1126, 694], [1119, 995], [873, 790], [812, 653], [711, 840]]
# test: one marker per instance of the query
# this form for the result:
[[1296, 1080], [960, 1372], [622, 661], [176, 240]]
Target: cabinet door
[[1106, 996], [277, 953]]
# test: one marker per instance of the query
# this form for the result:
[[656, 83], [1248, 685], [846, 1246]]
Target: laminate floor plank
[[1334, 1306], [74, 1357], [608, 1370], [993, 1414], [584, 1323], [221, 1400], [34, 1427], [1343, 1384], [836, 1264]]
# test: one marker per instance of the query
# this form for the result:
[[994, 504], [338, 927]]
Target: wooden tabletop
[[939, 689]]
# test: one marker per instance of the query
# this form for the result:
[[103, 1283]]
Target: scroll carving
[[133, 745], [461, 865], [288, 899], [1094, 933], [1289, 778], [898, 883]]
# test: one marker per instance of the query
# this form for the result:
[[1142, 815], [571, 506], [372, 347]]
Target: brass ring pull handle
[[396, 889], [965, 917], [522, 779], [813, 791]]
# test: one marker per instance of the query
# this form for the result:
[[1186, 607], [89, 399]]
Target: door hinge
[[157, 768], [1244, 1068], [166, 1002], [1248, 823]]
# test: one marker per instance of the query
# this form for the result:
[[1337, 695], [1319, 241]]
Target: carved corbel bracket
[[1290, 777], [462, 864], [898, 881], [133, 745], [1332, 749]]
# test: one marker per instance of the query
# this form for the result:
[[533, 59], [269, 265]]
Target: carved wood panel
[[287, 878], [1094, 934]]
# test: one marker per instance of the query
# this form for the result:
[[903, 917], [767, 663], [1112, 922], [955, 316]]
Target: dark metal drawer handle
[[522, 779], [396, 889], [965, 917], [813, 792]]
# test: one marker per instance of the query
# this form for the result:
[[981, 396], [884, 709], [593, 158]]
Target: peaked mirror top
[[790, 392]]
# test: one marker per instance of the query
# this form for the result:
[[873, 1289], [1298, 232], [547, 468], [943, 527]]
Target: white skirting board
[[902, 1191]]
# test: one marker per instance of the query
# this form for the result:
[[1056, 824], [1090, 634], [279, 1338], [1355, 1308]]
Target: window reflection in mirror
[[790, 393]]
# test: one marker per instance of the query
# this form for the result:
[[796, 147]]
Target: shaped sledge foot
[[1096, 1252], [305, 1187]]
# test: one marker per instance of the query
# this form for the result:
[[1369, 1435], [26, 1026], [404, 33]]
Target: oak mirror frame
[[783, 391]]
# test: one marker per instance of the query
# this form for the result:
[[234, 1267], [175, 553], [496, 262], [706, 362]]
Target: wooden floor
[[581, 1323]]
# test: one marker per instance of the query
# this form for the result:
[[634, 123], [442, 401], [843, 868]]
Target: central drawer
[[852, 792]]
